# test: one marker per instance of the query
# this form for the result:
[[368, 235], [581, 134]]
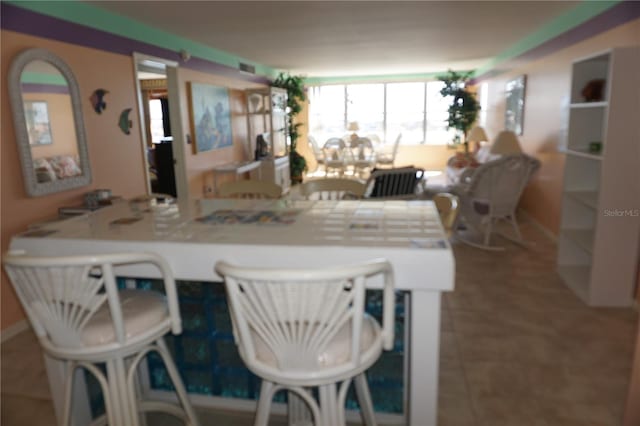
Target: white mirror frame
[[31, 185]]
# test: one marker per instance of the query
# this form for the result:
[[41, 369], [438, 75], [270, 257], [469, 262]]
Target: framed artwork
[[514, 112], [210, 117], [36, 115]]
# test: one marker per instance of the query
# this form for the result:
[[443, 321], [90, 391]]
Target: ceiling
[[350, 38]]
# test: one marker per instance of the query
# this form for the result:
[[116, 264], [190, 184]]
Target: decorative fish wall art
[[125, 123], [97, 100]]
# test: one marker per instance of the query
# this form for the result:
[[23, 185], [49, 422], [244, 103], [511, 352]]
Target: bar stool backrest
[[61, 296], [284, 319]]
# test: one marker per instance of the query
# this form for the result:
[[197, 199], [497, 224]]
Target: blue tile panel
[[208, 360]]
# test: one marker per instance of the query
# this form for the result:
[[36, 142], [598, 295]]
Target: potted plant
[[295, 96], [464, 107]]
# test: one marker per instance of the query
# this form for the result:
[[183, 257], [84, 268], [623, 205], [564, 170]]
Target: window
[[328, 113], [416, 109], [405, 111], [365, 105], [155, 120]]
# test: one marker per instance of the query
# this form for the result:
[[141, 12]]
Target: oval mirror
[[47, 116]]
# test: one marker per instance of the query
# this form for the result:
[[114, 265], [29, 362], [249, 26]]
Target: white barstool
[[79, 315], [305, 328]]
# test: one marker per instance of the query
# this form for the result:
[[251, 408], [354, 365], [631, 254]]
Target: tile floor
[[518, 349]]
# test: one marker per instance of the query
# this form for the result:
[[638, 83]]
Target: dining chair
[[318, 154], [364, 156], [250, 189], [81, 317], [388, 158], [303, 328], [332, 189], [336, 156]]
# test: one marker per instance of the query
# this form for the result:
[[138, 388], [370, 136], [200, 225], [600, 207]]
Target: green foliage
[[464, 107], [294, 86]]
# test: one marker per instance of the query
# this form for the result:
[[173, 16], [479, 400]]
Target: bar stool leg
[[177, 382], [264, 403], [364, 399]]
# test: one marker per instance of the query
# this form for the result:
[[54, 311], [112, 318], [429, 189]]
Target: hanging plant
[[464, 107], [294, 85]]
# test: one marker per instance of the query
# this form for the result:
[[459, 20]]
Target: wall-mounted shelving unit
[[600, 223]]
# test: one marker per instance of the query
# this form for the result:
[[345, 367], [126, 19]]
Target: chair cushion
[[141, 310], [336, 352]]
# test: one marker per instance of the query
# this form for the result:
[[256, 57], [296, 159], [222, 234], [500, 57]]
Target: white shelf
[[582, 237], [588, 198], [577, 278], [597, 256], [602, 104], [597, 157]]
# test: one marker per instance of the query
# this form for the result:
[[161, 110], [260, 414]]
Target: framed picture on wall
[[38, 124], [210, 117], [514, 111]]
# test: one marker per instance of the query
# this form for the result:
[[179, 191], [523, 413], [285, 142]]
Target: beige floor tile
[[478, 323], [557, 383], [507, 411], [487, 348], [21, 411], [452, 381], [445, 318], [576, 414], [448, 346], [539, 349], [454, 410], [495, 378], [23, 372]]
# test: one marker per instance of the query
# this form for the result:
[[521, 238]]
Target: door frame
[[170, 69]]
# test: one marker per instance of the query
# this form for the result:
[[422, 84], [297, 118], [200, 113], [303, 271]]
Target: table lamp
[[353, 127], [506, 143]]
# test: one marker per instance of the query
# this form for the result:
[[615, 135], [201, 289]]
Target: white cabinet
[[600, 224], [267, 121]]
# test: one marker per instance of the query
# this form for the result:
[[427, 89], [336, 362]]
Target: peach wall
[[545, 116], [116, 158], [63, 133], [199, 166]]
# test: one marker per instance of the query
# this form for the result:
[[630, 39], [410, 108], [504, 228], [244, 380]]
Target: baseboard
[[546, 232], [13, 330]]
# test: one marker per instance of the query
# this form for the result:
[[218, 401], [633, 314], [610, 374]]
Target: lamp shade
[[506, 143], [353, 126], [477, 134]]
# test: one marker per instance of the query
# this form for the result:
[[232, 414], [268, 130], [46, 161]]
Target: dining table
[[192, 235]]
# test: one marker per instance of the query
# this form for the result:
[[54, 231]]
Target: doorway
[[158, 144]]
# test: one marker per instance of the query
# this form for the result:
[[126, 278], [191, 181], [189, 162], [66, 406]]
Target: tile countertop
[[337, 231]]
